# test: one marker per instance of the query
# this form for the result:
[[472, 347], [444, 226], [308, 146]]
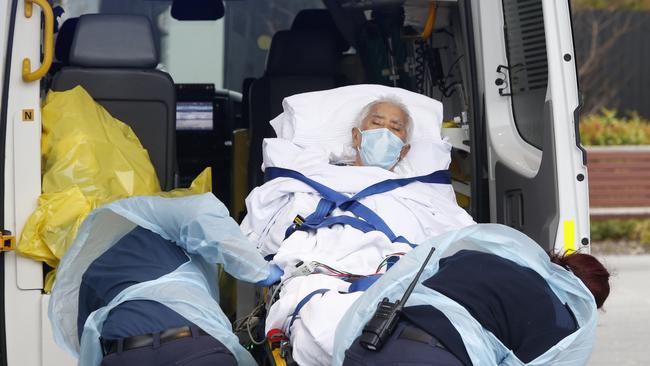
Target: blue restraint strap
[[303, 302], [332, 199]]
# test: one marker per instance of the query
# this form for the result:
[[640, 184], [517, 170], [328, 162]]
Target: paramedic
[[143, 331], [381, 138], [513, 302]]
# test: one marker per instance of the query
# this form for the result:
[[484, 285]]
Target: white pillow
[[324, 120], [328, 113]]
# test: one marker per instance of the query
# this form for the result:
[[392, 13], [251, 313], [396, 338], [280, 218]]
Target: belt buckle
[[175, 333], [109, 346]]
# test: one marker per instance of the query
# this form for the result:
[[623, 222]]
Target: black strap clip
[[298, 220]]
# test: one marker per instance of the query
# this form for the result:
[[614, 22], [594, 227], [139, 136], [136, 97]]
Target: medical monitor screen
[[194, 116]]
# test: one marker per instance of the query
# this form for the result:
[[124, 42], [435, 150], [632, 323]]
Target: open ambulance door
[[25, 34], [536, 166]]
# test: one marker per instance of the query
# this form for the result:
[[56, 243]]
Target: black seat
[[320, 20], [298, 62], [114, 57], [350, 66]]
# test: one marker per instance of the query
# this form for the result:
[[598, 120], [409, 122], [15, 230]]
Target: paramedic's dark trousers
[[406, 346], [199, 349]]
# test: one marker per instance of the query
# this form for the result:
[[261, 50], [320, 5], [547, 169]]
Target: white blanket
[[417, 211]]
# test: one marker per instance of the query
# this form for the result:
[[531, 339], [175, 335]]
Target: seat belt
[[333, 199]]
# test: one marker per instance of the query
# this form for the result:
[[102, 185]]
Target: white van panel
[[23, 156], [27, 177], [22, 186], [573, 194], [504, 142], [22, 319], [53, 355]]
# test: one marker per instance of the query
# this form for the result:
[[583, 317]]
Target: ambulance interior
[[222, 73], [229, 76]]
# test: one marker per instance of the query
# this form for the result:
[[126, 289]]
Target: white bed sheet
[[417, 211]]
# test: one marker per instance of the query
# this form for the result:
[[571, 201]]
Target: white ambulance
[[505, 71]]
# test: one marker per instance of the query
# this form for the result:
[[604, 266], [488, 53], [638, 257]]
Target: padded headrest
[[308, 53], [320, 20], [64, 40], [112, 40]]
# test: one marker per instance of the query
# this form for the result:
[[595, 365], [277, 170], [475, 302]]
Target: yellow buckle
[[299, 220], [8, 241]]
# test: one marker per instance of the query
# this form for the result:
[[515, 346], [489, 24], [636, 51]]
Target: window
[[528, 66], [190, 51], [250, 25], [222, 52]]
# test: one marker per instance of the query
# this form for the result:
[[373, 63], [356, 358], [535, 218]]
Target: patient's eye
[[396, 126]]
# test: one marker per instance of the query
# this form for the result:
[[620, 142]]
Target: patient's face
[[383, 115], [386, 115]]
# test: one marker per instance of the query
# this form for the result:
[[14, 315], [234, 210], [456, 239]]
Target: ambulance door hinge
[[8, 241]]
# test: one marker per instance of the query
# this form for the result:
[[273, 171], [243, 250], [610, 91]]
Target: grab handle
[[431, 21], [48, 37]]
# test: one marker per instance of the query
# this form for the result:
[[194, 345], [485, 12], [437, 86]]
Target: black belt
[[418, 335], [113, 345]]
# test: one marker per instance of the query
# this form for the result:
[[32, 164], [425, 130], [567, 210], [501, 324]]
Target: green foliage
[[644, 231], [608, 129], [636, 230], [611, 4]]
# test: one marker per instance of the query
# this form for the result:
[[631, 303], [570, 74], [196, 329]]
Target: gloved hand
[[275, 273]]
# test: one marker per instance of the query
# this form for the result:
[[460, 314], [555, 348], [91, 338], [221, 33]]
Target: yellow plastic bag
[[89, 159], [51, 228], [84, 146], [201, 184]]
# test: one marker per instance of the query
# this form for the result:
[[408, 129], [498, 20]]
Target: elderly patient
[[328, 265], [382, 136]]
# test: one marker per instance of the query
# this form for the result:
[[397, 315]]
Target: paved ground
[[623, 337]]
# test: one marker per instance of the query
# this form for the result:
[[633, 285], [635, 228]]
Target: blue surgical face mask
[[380, 147]]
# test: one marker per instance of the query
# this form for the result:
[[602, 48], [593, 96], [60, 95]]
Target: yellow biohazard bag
[[89, 159]]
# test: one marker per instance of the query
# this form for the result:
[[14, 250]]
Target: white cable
[[250, 334]]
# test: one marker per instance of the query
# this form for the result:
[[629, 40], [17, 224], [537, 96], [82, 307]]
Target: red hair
[[588, 269]]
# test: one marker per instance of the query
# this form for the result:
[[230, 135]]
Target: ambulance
[[199, 83]]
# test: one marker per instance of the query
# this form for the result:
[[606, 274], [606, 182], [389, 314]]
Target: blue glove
[[275, 273]]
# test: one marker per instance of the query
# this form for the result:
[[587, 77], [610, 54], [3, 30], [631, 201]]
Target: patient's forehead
[[389, 111]]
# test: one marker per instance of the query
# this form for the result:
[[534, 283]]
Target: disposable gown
[[482, 346], [200, 224]]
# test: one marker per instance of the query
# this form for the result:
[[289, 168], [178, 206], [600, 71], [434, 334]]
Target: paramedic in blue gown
[[513, 302], [143, 332]]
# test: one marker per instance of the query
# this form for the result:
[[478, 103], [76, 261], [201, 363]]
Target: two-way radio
[[382, 324]]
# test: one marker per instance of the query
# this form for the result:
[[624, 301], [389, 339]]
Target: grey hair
[[393, 100]]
